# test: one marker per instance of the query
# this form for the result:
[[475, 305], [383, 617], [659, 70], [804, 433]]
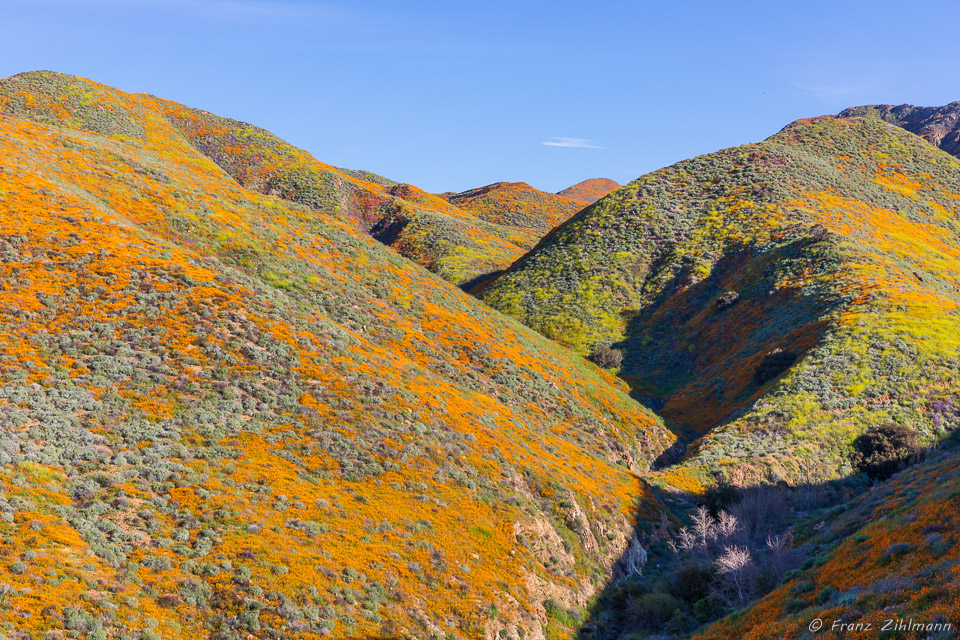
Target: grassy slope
[[227, 414], [841, 237]]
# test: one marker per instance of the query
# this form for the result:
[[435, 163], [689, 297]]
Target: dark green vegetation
[[765, 561], [890, 552], [719, 562], [883, 450]]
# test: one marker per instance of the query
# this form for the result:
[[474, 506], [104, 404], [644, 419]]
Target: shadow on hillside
[[474, 286], [692, 354], [763, 510], [388, 229]]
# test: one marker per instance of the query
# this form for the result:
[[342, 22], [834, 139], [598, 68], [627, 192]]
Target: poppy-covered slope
[[226, 411], [451, 242], [589, 191]]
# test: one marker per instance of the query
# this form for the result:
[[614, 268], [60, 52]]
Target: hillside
[[771, 301], [940, 126], [227, 411], [589, 191], [453, 243], [886, 560], [518, 206]]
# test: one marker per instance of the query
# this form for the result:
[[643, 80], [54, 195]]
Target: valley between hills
[[247, 394]]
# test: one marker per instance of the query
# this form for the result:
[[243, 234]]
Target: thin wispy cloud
[[571, 143]]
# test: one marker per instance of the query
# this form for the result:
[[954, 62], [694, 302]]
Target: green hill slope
[[771, 300]]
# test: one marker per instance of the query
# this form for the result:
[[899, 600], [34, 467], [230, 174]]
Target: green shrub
[[793, 574], [793, 605], [826, 594], [937, 544], [680, 622], [722, 495], [606, 357], [653, 609], [708, 608], [692, 584], [804, 586], [556, 611], [894, 551], [885, 449]]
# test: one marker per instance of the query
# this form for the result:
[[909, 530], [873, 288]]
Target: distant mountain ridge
[[589, 191], [445, 239]]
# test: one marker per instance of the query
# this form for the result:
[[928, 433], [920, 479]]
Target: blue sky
[[452, 95]]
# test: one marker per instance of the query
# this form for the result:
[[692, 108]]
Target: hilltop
[[589, 191], [526, 212], [226, 410], [940, 126], [516, 205], [771, 301]]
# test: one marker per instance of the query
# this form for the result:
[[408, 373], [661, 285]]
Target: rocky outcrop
[[940, 126]]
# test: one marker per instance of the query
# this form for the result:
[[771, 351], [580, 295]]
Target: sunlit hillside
[[456, 244], [771, 301], [228, 412]]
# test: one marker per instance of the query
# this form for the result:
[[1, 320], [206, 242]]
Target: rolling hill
[[771, 301], [243, 394], [589, 191], [451, 242], [518, 206], [227, 411], [524, 215]]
